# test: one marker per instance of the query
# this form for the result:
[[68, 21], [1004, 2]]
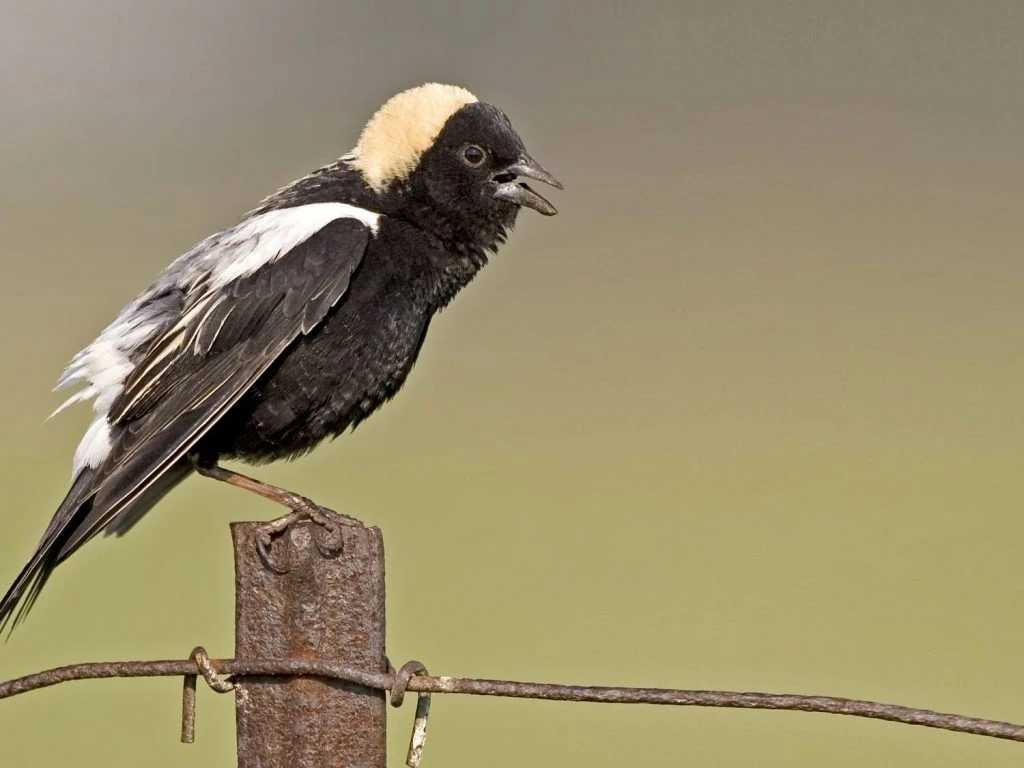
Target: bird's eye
[[473, 155]]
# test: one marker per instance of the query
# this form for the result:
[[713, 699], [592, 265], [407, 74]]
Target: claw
[[329, 540], [265, 542]]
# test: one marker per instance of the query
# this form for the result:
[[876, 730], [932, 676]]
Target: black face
[[475, 169]]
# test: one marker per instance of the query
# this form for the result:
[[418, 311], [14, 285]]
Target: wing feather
[[224, 341]]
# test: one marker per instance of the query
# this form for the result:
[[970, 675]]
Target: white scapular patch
[[392, 143], [102, 367], [263, 239]]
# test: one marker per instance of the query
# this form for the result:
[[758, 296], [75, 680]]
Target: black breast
[[348, 366]]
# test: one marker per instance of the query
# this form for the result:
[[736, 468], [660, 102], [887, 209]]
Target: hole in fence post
[[312, 601]]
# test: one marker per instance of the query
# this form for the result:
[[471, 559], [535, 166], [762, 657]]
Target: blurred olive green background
[[746, 415]]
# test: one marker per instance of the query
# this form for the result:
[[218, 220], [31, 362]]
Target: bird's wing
[[223, 342], [228, 334]]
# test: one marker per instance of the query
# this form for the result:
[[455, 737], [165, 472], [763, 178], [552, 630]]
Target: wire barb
[[418, 739], [188, 710], [188, 692], [209, 672]]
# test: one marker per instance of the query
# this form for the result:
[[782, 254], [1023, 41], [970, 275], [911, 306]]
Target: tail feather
[[78, 519], [22, 594], [146, 500]]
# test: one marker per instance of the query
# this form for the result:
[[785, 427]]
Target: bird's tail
[[73, 524], [25, 589]]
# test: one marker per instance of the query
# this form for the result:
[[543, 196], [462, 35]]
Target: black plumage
[[295, 324]]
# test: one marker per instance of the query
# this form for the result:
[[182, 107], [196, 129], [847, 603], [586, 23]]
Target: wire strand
[[509, 688]]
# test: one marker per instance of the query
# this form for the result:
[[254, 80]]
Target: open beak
[[514, 191]]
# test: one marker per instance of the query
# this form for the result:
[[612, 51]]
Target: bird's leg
[[301, 509]]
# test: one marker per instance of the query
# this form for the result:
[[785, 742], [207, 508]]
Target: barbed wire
[[220, 675]]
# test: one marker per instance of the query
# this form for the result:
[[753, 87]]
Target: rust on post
[[297, 598]]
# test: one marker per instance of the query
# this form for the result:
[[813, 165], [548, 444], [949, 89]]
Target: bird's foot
[[328, 541]]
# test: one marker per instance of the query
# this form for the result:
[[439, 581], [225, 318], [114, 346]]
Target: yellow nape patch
[[392, 143]]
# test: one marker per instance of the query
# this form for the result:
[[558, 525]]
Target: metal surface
[[325, 604]]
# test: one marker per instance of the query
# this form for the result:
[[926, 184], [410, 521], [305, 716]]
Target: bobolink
[[294, 324]]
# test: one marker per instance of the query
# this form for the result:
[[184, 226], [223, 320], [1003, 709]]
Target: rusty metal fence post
[[307, 591]]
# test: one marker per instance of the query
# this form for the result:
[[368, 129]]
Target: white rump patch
[[95, 446], [102, 367], [403, 129]]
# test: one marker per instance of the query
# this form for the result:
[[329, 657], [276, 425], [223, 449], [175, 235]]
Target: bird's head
[[439, 148]]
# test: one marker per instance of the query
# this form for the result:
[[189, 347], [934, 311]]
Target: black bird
[[292, 325]]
